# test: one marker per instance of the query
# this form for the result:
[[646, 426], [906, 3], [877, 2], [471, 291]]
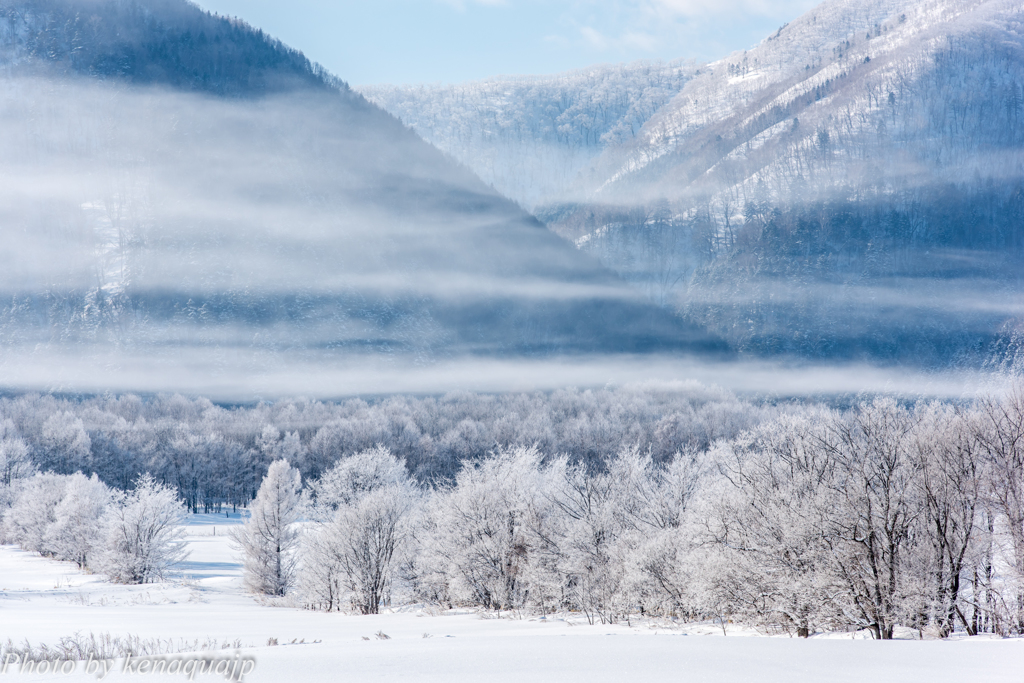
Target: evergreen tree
[[268, 539]]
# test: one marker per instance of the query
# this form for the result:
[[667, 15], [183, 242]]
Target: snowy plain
[[42, 600]]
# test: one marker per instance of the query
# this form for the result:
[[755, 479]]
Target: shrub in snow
[[143, 533], [269, 539]]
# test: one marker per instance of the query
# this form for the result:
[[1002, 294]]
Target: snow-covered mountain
[[853, 76], [531, 137], [179, 191], [852, 185]]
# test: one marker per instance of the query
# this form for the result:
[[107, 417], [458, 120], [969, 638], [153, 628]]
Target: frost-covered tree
[[769, 516], [268, 539], [614, 538], [588, 541], [64, 443], [143, 532], [363, 505], [951, 483], [1001, 432], [876, 509], [77, 533], [353, 477], [475, 539], [15, 462], [34, 511]]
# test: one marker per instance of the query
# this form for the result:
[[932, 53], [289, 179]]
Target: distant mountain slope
[[178, 189], [532, 136], [868, 152], [833, 70], [851, 187]]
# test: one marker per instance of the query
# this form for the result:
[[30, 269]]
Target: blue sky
[[428, 41]]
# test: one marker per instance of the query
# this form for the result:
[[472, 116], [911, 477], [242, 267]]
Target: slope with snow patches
[[43, 600], [851, 69], [531, 136]]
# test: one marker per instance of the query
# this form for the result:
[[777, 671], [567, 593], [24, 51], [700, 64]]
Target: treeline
[[216, 456], [132, 537], [880, 517], [685, 504]]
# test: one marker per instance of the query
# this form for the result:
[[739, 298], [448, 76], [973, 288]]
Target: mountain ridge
[[868, 150]]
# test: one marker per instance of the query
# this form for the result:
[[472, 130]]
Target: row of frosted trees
[[132, 537], [883, 517], [216, 455]]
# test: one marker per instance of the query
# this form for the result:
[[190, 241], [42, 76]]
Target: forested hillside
[[849, 188], [165, 42], [532, 137]]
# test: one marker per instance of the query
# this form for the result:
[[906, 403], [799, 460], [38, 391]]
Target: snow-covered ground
[[42, 600]]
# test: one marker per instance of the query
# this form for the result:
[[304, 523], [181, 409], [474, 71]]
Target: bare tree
[[1001, 432], [951, 480], [876, 511]]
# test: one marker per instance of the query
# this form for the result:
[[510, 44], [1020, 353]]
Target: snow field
[[42, 600]]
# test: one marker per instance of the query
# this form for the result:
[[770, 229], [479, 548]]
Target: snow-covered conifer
[[269, 539]]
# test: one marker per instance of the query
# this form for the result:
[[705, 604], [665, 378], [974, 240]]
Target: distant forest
[[216, 456]]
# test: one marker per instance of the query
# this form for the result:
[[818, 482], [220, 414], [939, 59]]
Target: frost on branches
[[882, 516], [143, 534], [361, 509], [268, 539], [132, 537]]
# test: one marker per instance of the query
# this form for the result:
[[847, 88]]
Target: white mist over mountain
[[823, 194], [182, 193]]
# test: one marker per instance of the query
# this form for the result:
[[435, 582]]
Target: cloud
[[594, 38], [734, 8], [629, 40], [631, 29], [462, 4]]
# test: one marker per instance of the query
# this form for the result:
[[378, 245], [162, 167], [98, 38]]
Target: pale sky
[[428, 41]]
